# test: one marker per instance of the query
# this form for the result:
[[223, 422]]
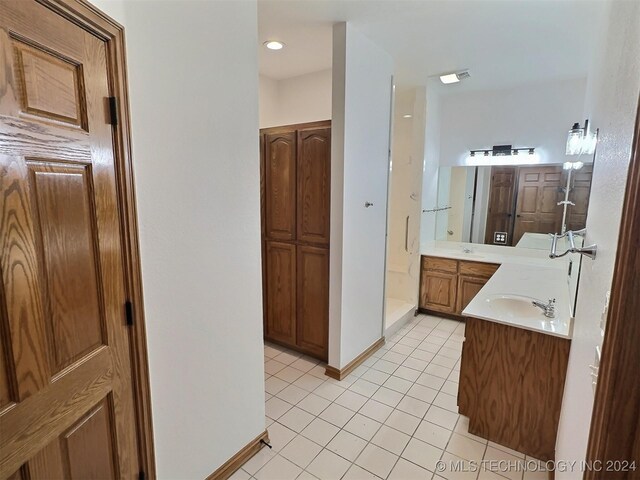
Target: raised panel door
[[500, 213], [438, 291], [468, 287], [539, 191], [314, 176], [281, 292], [66, 393], [280, 185], [313, 300]]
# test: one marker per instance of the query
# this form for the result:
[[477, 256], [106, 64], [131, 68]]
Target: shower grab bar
[[406, 235], [589, 251]]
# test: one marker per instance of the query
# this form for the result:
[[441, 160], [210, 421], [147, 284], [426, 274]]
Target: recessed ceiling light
[[274, 45], [408, 115], [454, 77]]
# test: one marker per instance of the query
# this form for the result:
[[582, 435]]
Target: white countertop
[[490, 253], [523, 273], [533, 281]]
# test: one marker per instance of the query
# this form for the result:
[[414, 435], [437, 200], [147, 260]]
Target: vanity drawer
[[478, 269], [440, 264]]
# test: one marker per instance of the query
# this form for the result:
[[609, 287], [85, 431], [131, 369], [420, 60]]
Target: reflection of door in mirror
[[539, 191], [501, 203]]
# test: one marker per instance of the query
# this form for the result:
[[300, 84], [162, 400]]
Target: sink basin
[[514, 306]]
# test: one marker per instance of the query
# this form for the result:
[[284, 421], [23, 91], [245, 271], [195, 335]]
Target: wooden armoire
[[295, 200]]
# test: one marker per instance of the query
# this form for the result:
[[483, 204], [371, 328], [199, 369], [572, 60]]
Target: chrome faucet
[[549, 309]]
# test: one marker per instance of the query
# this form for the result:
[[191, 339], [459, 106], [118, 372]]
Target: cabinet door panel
[[314, 162], [280, 186], [468, 287], [313, 300], [280, 290], [438, 291]]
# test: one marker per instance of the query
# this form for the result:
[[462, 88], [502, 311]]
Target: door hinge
[[128, 310], [141, 475], [113, 111]]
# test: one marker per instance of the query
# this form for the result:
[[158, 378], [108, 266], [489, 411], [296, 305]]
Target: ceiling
[[502, 42]]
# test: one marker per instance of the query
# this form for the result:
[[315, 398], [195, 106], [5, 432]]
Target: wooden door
[[468, 288], [281, 292], [579, 194], [537, 209], [280, 186], [66, 398], [438, 291], [314, 163], [500, 213], [313, 300]]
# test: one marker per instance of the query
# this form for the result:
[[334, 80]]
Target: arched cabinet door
[[314, 176], [280, 186]]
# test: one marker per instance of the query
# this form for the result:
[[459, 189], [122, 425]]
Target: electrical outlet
[[605, 312]]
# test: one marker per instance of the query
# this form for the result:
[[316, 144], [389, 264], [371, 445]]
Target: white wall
[[430, 167], [268, 101], [536, 115], [195, 122], [359, 172], [306, 98], [614, 85]]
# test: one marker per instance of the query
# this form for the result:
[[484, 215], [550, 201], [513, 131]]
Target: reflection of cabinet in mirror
[[448, 285]]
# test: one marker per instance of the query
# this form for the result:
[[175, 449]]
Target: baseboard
[[435, 313], [340, 373], [235, 462]]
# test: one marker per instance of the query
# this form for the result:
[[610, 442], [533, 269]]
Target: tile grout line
[[424, 332]]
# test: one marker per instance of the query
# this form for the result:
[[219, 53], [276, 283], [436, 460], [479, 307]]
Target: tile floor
[[395, 417]]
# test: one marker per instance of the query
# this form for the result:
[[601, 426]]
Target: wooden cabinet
[[280, 185], [511, 385], [313, 299], [468, 287], [438, 291], [448, 285], [295, 205], [281, 291], [314, 150]]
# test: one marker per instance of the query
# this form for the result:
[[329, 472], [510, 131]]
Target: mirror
[[511, 205]]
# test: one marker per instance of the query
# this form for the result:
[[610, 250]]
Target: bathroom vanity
[[447, 285], [514, 358]]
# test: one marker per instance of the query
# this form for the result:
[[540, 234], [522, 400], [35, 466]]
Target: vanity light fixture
[[581, 140], [502, 155], [408, 115], [273, 45], [454, 77]]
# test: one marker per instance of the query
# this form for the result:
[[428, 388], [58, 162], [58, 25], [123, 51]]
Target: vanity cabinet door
[[438, 291], [468, 287]]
